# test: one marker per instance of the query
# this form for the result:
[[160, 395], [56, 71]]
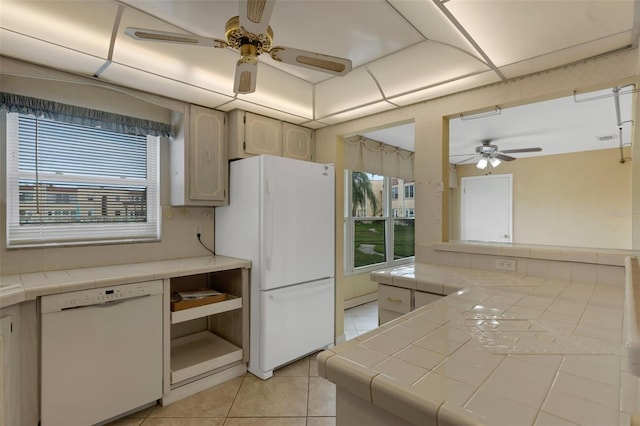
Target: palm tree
[[362, 192]]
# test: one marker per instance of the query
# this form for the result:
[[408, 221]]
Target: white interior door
[[487, 208]]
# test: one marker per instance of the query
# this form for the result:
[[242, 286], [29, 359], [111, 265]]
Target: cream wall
[[358, 285], [574, 200], [178, 238], [430, 164]]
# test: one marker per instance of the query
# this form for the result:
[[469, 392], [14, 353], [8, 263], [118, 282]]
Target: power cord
[[200, 241]]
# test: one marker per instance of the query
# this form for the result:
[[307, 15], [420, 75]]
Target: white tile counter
[[502, 348], [22, 287]]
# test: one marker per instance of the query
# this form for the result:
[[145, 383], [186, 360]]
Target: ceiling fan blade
[[245, 80], [504, 157], [167, 37], [462, 155], [466, 159], [312, 60], [255, 15], [514, 151]]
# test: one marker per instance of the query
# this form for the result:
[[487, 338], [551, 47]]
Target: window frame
[[73, 233], [349, 229]]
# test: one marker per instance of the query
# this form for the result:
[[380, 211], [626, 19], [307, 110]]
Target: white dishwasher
[[101, 353]]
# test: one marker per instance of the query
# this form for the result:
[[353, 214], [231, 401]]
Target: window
[[380, 237], [408, 191], [394, 192], [73, 184]]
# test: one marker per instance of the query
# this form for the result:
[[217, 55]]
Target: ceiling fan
[[251, 35], [490, 154]]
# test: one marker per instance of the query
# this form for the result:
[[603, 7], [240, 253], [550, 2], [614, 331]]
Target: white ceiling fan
[[251, 35], [490, 154]]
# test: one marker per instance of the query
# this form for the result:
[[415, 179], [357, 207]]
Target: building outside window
[[408, 191]]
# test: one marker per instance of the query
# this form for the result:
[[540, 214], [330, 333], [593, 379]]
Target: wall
[[358, 285], [431, 126], [557, 197], [178, 238]]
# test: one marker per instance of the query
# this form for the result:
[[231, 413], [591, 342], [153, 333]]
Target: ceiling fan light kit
[[490, 154], [251, 35], [482, 163]]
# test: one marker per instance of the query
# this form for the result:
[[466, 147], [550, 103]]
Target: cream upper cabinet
[[297, 142], [199, 158], [252, 134]]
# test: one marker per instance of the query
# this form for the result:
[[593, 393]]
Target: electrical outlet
[[506, 264], [197, 229]]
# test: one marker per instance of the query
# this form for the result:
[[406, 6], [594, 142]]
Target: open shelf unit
[[207, 344]]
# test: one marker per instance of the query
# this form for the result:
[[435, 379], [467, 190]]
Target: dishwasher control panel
[[98, 296]]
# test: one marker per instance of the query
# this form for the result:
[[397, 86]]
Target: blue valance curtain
[[82, 116]]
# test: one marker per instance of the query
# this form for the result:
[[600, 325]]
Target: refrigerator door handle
[[269, 222], [285, 295]]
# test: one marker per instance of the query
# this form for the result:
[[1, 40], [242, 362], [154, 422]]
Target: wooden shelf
[[232, 302], [200, 352]]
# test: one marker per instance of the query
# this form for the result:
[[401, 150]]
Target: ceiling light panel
[[342, 93], [281, 91], [568, 55], [84, 26], [206, 67], [458, 85], [358, 112], [358, 30], [203, 18], [433, 24], [131, 77], [511, 31], [426, 64], [40, 52]]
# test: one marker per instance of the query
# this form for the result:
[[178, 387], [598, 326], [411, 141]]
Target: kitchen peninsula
[[500, 348]]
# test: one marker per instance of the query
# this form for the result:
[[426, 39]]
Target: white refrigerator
[[281, 217]]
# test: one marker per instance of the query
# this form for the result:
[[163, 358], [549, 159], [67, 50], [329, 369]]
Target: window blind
[[73, 184]]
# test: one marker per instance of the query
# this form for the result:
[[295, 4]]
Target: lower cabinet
[[421, 298], [9, 367], [208, 344], [394, 302]]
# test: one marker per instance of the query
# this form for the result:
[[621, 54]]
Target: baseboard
[[360, 300]]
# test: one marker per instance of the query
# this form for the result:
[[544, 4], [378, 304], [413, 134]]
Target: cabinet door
[[394, 299], [9, 369], [262, 135], [208, 158], [297, 142]]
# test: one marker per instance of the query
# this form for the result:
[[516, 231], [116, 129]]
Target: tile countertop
[[502, 348], [22, 287]]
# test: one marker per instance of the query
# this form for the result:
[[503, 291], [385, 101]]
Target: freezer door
[[297, 224], [295, 321]]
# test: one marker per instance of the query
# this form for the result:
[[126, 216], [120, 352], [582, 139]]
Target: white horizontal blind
[[72, 184]]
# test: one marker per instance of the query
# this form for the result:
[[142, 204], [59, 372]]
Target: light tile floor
[[360, 319], [294, 396]]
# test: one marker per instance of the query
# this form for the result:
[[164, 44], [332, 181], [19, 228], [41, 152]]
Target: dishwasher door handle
[[108, 303]]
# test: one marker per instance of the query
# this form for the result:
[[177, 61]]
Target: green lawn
[[372, 233]]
